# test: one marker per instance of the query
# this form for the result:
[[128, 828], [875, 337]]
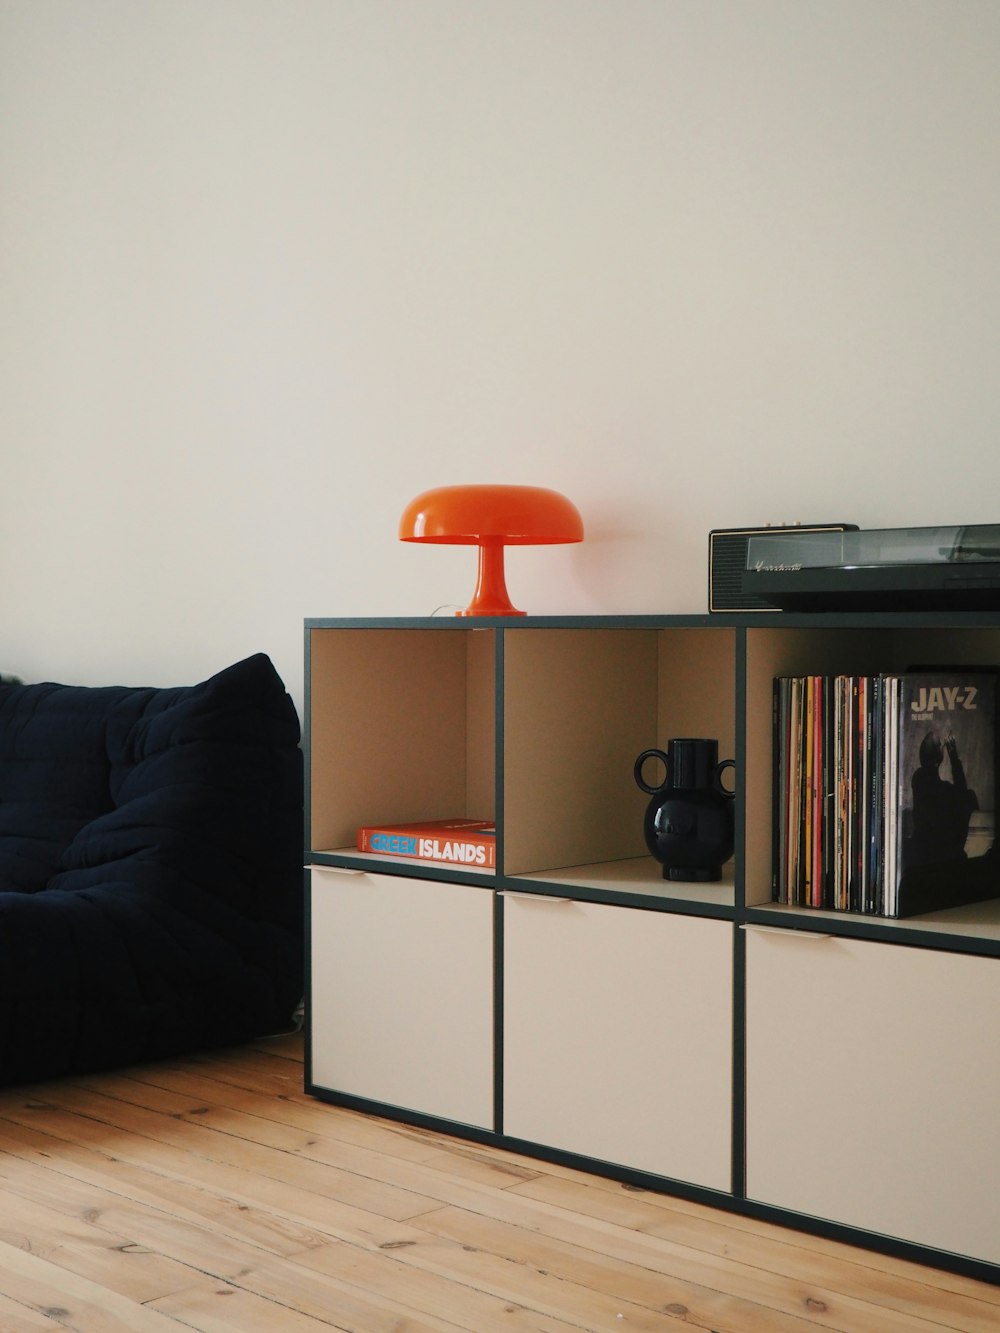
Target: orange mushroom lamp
[[491, 517]]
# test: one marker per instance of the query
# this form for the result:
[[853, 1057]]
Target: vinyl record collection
[[884, 791]]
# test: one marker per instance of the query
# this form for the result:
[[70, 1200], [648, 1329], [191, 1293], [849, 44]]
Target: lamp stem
[[491, 597]]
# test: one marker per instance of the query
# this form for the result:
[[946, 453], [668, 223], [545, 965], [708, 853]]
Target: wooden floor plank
[[369, 1291], [719, 1291], [782, 1248], [665, 1210], [73, 1301], [188, 1150], [15, 1317], [89, 1218], [193, 1199], [230, 1309], [209, 1100], [213, 1194], [81, 1244], [478, 1276], [197, 1193], [312, 1159]]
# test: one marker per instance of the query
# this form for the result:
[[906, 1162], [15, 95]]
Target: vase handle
[[717, 778], [647, 754]]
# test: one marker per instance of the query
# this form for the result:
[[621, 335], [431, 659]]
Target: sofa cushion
[[54, 775]]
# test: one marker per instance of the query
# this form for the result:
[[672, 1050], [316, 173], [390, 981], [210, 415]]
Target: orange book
[[458, 842]]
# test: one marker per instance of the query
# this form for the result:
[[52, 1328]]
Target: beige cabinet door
[[401, 995], [873, 1087], [617, 1028]]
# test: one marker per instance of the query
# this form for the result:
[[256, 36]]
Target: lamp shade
[[516, 515], [491, 517]]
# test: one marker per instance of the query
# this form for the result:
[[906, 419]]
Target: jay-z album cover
[[945, 761]]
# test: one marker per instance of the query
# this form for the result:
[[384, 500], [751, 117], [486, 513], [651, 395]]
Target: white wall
[[271, 268]]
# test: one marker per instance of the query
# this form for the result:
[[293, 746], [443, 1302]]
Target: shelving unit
[[574, 1004]]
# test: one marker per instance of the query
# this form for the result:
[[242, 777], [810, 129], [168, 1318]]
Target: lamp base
[[490, 597]]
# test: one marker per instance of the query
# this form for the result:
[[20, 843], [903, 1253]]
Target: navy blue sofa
[[150, 870]]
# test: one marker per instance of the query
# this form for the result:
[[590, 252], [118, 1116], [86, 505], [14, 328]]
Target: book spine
[[859, 696], [795, 803], [808, 778], [457, 851], [876, 803], [779, 727]]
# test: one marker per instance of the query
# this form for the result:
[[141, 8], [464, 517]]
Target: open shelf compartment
[[402, 729], [773, 651], [580, 705]]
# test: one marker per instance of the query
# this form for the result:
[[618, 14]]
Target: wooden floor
[[212, 1194]]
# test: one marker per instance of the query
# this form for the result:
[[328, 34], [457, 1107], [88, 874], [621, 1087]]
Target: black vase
[[689, 823]]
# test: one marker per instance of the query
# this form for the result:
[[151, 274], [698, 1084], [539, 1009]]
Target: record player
[[898, 569]]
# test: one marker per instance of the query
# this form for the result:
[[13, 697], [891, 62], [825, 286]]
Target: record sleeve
[[944, 813]]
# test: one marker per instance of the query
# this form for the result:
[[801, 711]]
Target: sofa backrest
[[204, 781]]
